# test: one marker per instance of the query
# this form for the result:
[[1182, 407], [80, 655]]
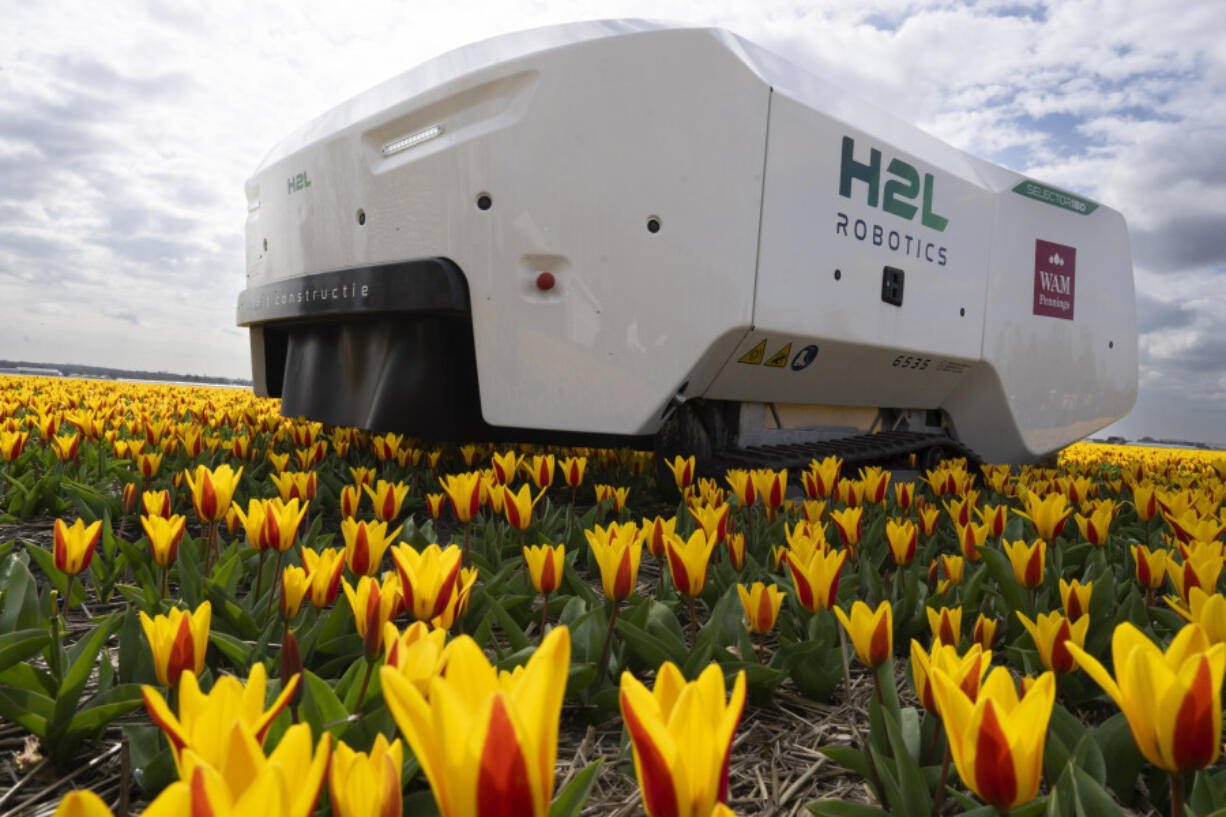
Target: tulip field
[[209, 609]]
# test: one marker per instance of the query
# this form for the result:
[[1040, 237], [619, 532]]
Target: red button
[[545, 281]]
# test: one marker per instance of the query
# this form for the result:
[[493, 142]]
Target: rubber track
[[864, 449]]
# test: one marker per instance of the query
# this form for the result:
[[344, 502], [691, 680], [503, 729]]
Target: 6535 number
[[911, 362]]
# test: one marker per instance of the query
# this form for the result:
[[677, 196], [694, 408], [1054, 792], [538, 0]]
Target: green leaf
[[81, 663], [18, 705], [1002, 571], [18, 597], [105, 708], [322, 708], [915, 798], [652, 650], [20, 645], [235, 651], [570, 800], [1115, 741], [515, 635]]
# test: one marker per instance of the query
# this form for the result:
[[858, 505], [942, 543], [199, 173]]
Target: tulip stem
[[259, 576], [544, 615], [165, 570], [693, 624], [67, 598], [939, 797], [608, 639], [273, 592], [1177, 795], [365, 681]]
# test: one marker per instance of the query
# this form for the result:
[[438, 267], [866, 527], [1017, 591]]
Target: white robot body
[[566, 233]]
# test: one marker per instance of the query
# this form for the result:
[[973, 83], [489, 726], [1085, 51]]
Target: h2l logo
[[900, 190]]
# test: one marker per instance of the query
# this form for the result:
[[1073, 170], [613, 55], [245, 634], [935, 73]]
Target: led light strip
[[412, 140]]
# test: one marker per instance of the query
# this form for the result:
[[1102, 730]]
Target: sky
[[127, 131]]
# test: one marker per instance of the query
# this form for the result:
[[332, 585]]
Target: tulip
[[876, 482], [994, 518], [772, 488], [736, 550], [850, 492], [687, 561], [682, 738], [74, 546], [387, 498], [1048, 514], [742, 484], [279, 462], [212, 491], [984, 632], [281, 521], [84, 803], [1200, 568], [1027, 561], [713, 520], [655, 531], [363, 476], [164, 536], [464, 490], [971, 538], [417, 653], [903, 538], [373, 605], [871, 631], [488, 745], [847, 520], [351, 501], [618, 551], [545, 566], [12, 444], [822, 477], [65, 448], [1094, 527], [1052, 635], [518, 506], [966, 671], [997, 739], [458, 605], [324, 569], [929, 516], [386, 446], [427, 577], [178, 640], [946, 625], [156, 503], [959, 509], [543, 468], [1150, 566], [1172, 699], [761, 603], [362, 785], [1075, 598], [204, 718], [817, 579], [294, 586], [148, 464], [683, 471], [572, 470], [365, 544], [434, 505], [506, 466]]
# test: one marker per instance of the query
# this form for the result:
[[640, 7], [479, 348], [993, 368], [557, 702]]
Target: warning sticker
[[780, 359], [754, 356]]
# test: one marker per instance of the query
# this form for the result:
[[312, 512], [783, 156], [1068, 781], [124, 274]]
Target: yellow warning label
[[779, 359], [754, 356]]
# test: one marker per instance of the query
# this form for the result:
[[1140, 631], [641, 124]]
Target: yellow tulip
[[967, 671], [821, 479], [761, 603], [1209, 611], [713, 519], [458, 605], [417, 653], [1048, 514], [742, 484], [82, 803], [682, 738], [373, 605], [1172, 699], [294, 587], [73, 547], [997, 739], [365, 544], [427, 577], [324, 569], [545, 566], [543, 468], [164, 536], [971, 538], [212, 490], [771, 486], [387, 498], [871, 631], [1052, 635], [362, 785], [1075, 598], [876, 481], [688, 560], [519, 505], [1150, 566], [847, 520], [1027, 561], [816, 579], [1200, 568], [464, 490], [204, 720], [487, 742], [618, 550], [281, 521], [1094, 528], [984, 631], [683, 471], [946, 625], [903, 538], [178, 641], [572, 470]]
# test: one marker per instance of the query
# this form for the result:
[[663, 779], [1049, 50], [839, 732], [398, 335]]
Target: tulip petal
[[504, 785], [653, 753]]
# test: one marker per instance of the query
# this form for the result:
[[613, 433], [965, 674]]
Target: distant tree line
[[82, 370]]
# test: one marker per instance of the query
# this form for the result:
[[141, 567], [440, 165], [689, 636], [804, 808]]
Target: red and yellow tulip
[[365, 544], [682, 738], [761, 603], [816, 579], [73, 547], [487, 743], [178, 641], [212, 490], [1027, 561], [366, 785], [618, 550], [427, 578], [164, 536], [688, 560], [871, 631], [387, 497], [1052, 634], [545, 565]]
